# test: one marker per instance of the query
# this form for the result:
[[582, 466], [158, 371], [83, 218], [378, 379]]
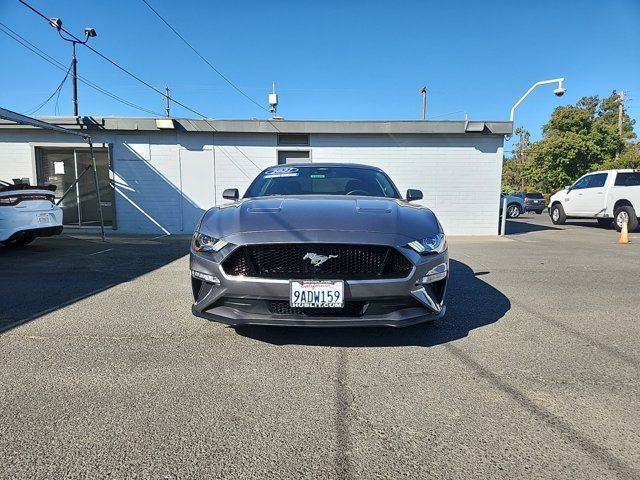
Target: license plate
[[43, 218], [317, 293], [536, 201]]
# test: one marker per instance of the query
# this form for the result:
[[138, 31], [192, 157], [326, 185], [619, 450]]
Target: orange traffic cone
[[624, 234]]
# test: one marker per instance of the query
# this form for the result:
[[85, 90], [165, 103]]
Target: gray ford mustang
[[319, 245]]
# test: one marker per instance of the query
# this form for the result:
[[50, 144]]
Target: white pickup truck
[[609, 196]]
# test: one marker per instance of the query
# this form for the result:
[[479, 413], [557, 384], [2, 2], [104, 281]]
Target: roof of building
[[93, 123]]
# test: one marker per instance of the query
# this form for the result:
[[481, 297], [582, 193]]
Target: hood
[[559, 193], [314, 213]]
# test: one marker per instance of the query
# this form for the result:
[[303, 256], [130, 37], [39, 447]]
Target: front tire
[[513, 210], [558, 217], [626, 213]]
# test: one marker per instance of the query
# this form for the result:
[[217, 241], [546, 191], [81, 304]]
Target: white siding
[[165, 180], [239, 158], [459, 175]]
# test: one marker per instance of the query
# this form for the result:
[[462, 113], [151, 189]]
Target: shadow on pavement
[[526, 225], [471, 303], [52, 273]]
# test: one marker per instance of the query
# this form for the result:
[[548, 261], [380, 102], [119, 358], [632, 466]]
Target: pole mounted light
[[88, 33], [558, 92]]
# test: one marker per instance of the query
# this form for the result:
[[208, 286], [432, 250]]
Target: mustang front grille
[[317, 261]]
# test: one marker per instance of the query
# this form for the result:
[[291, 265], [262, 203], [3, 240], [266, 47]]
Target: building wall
[[459, 175], [164, 181]]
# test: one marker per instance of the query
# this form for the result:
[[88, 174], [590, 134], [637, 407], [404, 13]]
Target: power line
[[35, 109], [224, 77], [132, 75], [112, 62], [30, 46]]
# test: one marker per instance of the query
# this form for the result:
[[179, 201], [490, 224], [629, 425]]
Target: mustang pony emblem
[[317, 260]]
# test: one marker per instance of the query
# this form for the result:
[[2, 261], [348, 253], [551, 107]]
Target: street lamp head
[[55, 23], [89, 32], [560, 91]]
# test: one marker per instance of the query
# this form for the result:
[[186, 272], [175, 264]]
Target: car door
[[572, 203], [593, 197], [586, 196]]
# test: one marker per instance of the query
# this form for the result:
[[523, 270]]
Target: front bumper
[[394, 302]]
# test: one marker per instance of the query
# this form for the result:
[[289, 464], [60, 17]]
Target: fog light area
[[205, 277], [437, 273]]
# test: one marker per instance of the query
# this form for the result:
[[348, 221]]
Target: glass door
[[87, 190], [61, 167]]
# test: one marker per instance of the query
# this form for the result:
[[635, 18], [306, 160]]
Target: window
[[628, 179], [293, 139], [312, 180], [582, 183], [61, 167], [590, 181], [536, 195], [597, 180]]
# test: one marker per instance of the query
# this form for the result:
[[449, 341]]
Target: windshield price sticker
[[282, 172], [317, 294]]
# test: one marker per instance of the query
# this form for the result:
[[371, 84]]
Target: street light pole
[[88, 33], [74, 73], [557, 92]]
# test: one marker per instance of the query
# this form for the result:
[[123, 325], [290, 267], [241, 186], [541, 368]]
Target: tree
[[513, 179], [629, 158], [608, 113], [577, 139]]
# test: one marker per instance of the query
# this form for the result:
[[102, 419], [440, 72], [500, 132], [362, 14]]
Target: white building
[[159, 175]]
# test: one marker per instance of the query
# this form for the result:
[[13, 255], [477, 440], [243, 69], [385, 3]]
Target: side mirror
[[567, 188], [413, 194], [231, 194]]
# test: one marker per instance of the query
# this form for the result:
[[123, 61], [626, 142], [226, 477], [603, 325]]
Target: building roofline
[[97, 123]]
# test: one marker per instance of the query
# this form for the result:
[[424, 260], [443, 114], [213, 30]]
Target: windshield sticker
[[316, 175], [282, 172]]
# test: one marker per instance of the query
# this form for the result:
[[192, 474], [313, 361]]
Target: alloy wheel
[[622, 218]]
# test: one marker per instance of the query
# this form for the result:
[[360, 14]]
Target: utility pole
[[620, 115], [620, 112], [74, 73], [424, 102], [88, 33], [167, 107]]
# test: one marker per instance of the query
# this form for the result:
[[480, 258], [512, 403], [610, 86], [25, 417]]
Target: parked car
[[515, 205], [320, 245], [610, 196], [27, 212], [533, 201]]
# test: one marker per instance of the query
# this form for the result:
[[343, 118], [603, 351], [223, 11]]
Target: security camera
[[560, 91], [55, 23], [89, 32]]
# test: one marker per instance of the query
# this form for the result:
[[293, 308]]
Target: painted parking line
[[101, 251]]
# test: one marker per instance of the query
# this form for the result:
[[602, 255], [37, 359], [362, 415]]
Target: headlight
[[436, 243], [205, 243]]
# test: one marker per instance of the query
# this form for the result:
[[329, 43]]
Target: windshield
[[334, 180]]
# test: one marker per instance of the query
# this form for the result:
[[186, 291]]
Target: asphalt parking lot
[[533, 373]]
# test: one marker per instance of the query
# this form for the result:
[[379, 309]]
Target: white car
[[27, 212], [607, 196]]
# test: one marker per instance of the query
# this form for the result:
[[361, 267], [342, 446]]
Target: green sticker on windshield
[[315, 175]]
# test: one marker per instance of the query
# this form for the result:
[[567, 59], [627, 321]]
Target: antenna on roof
[[273, 100]]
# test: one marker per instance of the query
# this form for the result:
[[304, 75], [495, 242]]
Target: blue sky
[[332, 59]]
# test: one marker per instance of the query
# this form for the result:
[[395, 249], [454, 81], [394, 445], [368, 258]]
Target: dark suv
[[533, 201]]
